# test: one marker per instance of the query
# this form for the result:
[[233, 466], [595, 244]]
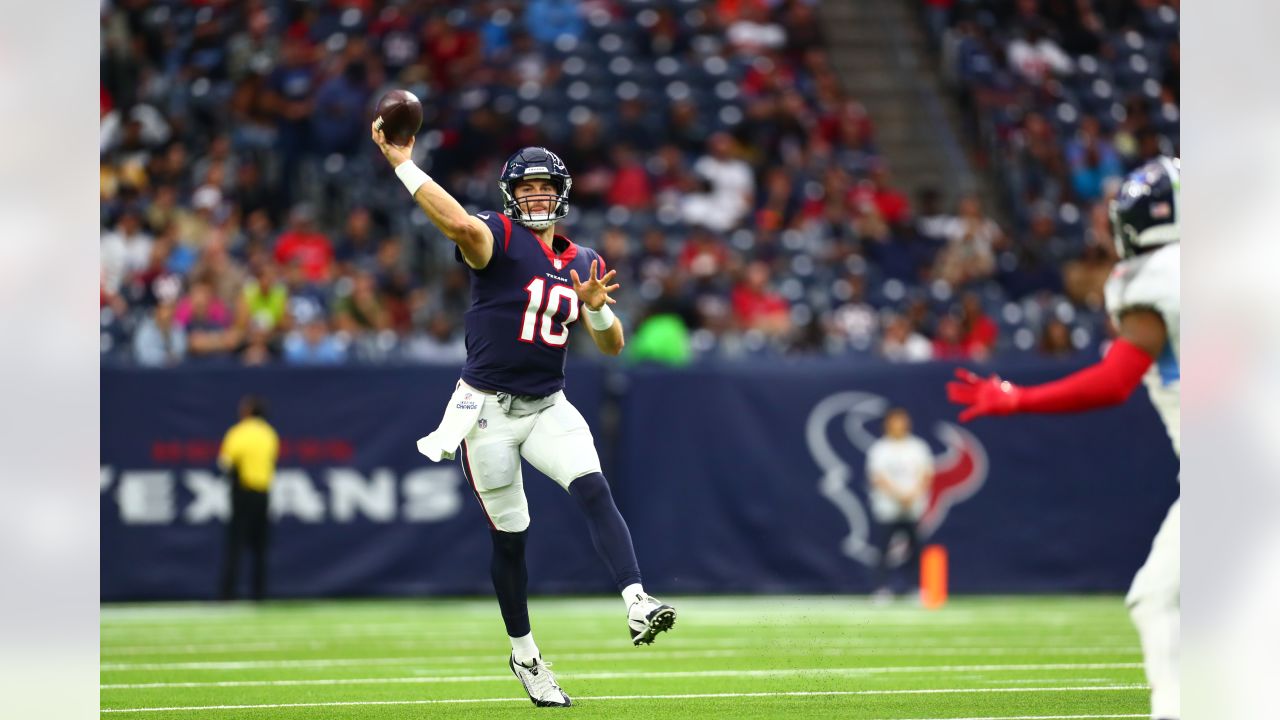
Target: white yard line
[[691, 696], [790, 672], [626, 656], [889, 650]]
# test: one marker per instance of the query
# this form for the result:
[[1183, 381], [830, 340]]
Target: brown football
[[400, 116]]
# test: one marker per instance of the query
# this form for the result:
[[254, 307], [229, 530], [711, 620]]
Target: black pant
[[886, 532], [249, 526]]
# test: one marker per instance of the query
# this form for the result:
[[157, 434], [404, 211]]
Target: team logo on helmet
[[1144, 213], [959, 471]]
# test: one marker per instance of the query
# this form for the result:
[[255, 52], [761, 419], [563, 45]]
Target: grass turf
[[730, 657]]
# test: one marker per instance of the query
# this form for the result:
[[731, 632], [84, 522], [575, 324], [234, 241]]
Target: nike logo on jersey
[[483, 216]]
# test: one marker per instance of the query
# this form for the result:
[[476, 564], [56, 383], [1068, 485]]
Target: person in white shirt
[[900, 472], [124, 251]]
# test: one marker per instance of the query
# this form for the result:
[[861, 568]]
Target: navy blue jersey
[[522, 304]]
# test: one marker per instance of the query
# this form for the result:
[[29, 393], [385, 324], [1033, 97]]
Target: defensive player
[[526, 286], [1142, 298]]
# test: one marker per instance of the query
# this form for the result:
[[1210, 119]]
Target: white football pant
[[1154, 603], [556, 441]]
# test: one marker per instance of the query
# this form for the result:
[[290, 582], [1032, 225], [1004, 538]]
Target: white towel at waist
[[459, 417]]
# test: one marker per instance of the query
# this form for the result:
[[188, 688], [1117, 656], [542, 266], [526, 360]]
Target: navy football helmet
[[534, 163], [1144, 213]]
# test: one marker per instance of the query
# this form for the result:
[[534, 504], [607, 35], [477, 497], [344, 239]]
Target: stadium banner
[[733, 478], [751, 478], [356, 510]]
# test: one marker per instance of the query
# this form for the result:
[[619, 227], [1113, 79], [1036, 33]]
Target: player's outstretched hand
[[594, 293], [990, 396], [395, 154]]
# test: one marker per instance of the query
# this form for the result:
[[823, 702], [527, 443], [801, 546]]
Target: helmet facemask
[[518, 209]]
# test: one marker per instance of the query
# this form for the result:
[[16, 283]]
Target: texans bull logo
[[959, 471]]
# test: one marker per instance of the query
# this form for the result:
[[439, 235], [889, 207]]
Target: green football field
[[727, 657]]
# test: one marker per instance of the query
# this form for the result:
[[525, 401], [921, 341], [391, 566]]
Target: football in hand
[[399, 116]]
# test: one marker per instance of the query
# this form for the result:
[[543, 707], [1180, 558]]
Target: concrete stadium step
[[881, 56]]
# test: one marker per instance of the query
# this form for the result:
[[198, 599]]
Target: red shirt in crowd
[[891, 204], [630, 188], [752, 306], [982, 335], [310, 250]]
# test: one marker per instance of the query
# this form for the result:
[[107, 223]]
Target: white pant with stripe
[[556, 441]]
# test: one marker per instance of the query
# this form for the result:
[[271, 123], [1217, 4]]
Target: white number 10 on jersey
[[537, 288]]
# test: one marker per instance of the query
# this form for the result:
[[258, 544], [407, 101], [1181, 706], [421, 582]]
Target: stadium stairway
[[879, 50]]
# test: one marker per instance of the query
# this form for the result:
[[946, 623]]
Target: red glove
[[992, 396], [1102, 384]]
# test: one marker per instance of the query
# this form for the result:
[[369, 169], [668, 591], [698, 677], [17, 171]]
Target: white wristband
[[412, 176], [600, 320]]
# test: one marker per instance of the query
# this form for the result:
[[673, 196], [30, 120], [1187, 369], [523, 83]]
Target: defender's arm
[[1109, 382]]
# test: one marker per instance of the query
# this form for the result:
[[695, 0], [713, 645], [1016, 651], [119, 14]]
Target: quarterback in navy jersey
[[528, 287]]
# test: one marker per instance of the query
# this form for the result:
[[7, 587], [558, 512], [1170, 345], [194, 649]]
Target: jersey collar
[[563, 259]]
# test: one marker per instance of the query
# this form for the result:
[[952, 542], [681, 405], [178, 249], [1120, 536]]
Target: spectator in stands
[[686, 129], [1034, 263], [401, 294], [157, 282], [932, 222], [207, 321], [441, 343], [260, 348], [854, 322], [1085, 277], [124, 251], [891, 204], [264, 300], [1036, 57], [901, 343], [756, 306], [980, 331], [360, 309], [972, 239], [1055, 339], [337, 125], [730, 187], [221, 271], [948, 340], [159, 341], [547, 20], [704, 255], [753, 31], [1093, 160], [313, 344], [630, 186], [305, 246], [653, 262], [357, 244], [291, 96]]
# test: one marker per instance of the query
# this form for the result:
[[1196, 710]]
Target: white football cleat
[[539, 683], [646, 617]]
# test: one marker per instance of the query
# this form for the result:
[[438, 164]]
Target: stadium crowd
[[718, 166]]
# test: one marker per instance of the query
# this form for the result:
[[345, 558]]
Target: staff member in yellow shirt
[[248, 457]]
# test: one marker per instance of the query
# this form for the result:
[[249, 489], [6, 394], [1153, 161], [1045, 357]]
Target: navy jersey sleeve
[[601, 268], [500, 226]]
